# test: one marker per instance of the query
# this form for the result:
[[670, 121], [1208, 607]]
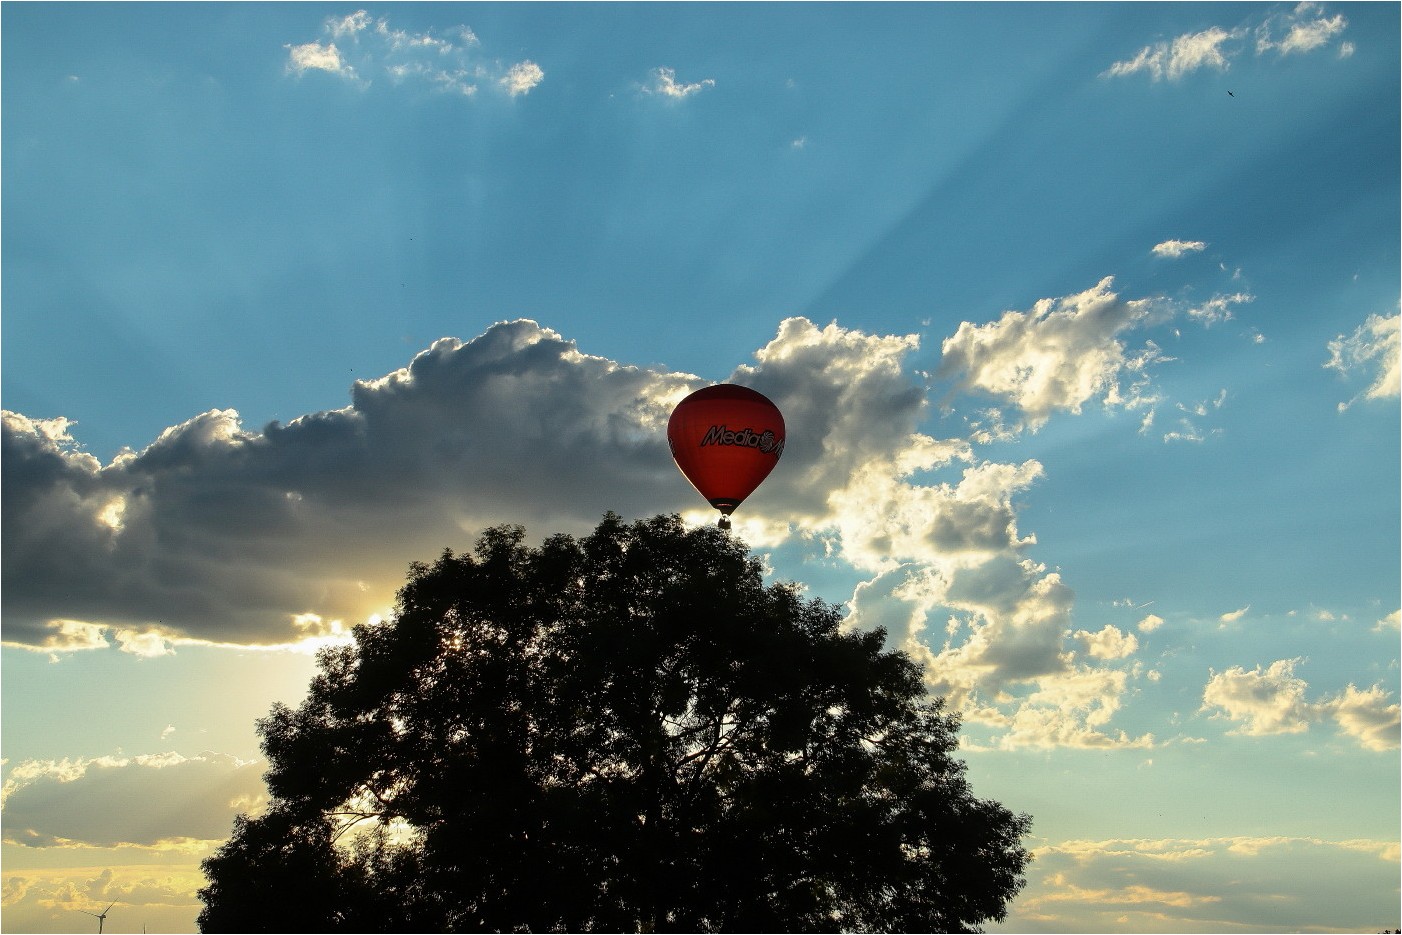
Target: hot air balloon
[[726, 439]]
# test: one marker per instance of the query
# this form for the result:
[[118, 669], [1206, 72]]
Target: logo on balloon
[[745, 438]]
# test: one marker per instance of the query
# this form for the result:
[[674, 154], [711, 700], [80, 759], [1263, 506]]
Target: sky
[[1083, 320]]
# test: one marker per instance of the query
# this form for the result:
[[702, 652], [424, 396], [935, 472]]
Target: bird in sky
[[1230, 94]]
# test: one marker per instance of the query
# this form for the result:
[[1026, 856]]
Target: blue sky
[[1083, 319]]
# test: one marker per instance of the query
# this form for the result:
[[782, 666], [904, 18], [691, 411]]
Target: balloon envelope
[[726, 439]]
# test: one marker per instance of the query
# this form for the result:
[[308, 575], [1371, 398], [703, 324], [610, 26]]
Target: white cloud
[[1366, 716], [1109, 643], [147, 643], [522, 77], [1219, 307], [1177, 248], [1188, 430], [1303, 29], [664, 82], [313, 56], [350, 25], [1059, 355], [1181, 56], [1234, 615], [936, 527], [1272, 701], [447, 62], [1150, 623], [1374, 348]]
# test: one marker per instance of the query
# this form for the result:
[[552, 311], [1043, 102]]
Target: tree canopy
[[625, 732]]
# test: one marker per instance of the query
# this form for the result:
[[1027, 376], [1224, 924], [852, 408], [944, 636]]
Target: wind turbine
[[98, 916]]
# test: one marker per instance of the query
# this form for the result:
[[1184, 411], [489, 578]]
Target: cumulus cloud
[[1109, 643], [1269, 701], [264, 537], [936, 528], [220, 534], [161, 803], [370, 48], [664, 82], [1366, 716], [161, 897], [1374, 349], [1058, 356], [1177, 248], [1272, 701], [1305, 28]]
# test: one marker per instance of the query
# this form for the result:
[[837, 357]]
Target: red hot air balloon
[[726, 439]]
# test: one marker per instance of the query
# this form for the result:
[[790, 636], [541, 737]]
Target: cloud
[[1373, 348], [220, 534], [522, 77], [233, 536], [1150, 623], [313, 56], [1272, 701], [1109, 643], [1234, 615], [161, 803], [1263, 702], [1303, 29], [1181, 56], [159, 897], [449, 62], [1188, 431], [1177, 248], [1365, 716], [1218, 308], [1203, 884], [664, 82], [936, 528], [1058, 356]]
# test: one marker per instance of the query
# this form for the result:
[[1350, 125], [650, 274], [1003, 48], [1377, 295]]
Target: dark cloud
[[217, 533], [154, 802]]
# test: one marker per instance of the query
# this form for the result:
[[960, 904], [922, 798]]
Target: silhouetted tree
[[628, 732]]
